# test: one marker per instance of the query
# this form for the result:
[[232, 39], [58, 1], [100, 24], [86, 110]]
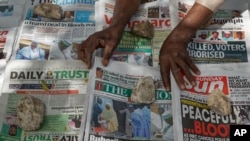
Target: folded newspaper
[[194, 120], [55, 39], [132, 48], [112, 115], [7, 39], [224, 38], [60, 84]]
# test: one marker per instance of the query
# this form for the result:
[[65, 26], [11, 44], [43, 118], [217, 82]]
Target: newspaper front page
[[112, 115], [224, 38], [61, 85], [134, 49], [194, 120], [55, 39]]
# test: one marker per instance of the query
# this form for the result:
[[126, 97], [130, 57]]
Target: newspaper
[[7, 39], [11, 12], [55, 39], [60, 84], [113, 86], [193, 118], [230, 24], [134, 49], [2, 70]]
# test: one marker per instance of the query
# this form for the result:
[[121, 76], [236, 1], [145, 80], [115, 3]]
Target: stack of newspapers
[[81, 104]]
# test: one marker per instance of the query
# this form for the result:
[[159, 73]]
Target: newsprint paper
[[132, 48], [224, 38], [194, 121], [61, 85], [111, 114], [55, 39]]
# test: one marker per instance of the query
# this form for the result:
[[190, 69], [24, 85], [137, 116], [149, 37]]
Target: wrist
[[118, 28], [183, 33]]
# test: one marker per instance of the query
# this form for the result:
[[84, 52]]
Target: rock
[[30, 113], [219, 102], [48, 10], [144, 91], [143, 29]]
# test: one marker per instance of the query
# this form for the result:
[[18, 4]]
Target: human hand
[[174, 56], [107, 39]]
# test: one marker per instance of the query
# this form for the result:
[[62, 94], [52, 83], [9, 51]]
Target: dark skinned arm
[[110, 37], [173, 54]]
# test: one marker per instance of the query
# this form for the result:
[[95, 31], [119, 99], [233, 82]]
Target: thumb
[[107, 55]]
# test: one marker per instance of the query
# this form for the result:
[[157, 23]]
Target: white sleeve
[[213, 5]]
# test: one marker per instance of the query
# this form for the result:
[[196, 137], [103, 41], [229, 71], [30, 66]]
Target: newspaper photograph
[[112, 115], [60, 85], [195, 119], [133, 48]]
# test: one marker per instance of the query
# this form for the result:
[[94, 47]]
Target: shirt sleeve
[[213, 5], [19, 55]]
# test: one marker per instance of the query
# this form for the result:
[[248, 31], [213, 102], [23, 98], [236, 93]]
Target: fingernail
[[182, 86], [198, 72], [167, 89], [89, 66], [193, 83], [105, 62]]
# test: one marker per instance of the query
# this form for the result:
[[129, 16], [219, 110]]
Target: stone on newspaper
[[48, 10], [144, 91], [143, 29], [30, 113], [219, 102]]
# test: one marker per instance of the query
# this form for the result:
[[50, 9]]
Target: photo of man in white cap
[[31, 52], [227, 36]]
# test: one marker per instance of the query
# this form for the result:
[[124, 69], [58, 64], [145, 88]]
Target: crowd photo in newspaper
[[48, 94]]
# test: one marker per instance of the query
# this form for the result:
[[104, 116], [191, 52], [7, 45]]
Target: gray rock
[[144, 91], [48, 10], [219, 103], [30, 113], [143, 29]]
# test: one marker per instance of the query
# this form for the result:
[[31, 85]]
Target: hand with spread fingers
[[107, 39], [173, 54], [174, 57]]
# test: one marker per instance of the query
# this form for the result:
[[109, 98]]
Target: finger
[[101, 42], [83, 51], [165, 75], [193, 67], [88, 48], [182, 63], [80, 53], [176, 71], [88, 57], [108, 50]]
